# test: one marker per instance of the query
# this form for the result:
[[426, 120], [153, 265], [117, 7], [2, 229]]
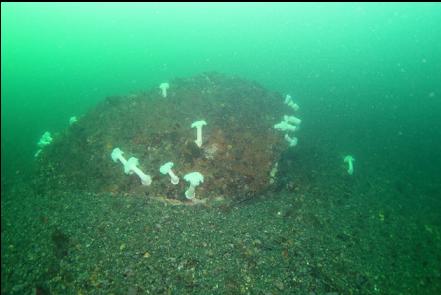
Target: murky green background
[[367, 67], [354, 68]]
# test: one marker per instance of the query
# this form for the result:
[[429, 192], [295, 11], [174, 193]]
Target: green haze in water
[[366, 75], [367, 78]]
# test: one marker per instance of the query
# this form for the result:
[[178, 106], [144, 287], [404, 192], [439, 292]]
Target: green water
[[367, 76], [377, 61]]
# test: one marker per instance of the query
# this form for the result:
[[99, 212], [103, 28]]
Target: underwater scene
[[221, 148]]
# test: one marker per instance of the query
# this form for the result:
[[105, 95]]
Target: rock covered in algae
[[240, 146]]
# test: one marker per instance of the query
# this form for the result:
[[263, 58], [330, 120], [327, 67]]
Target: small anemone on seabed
[[350, 161], [167, 169], [164, 87], [46, 139], [289, 123], [131, 166], [198, 125], [195, 179], [72, 120]]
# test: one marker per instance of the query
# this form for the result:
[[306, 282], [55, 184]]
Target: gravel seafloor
[[310, 240]]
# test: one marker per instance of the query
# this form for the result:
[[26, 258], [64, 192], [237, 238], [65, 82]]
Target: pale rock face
[[210, 151]]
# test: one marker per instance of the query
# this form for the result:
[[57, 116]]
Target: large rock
[[240, 146]]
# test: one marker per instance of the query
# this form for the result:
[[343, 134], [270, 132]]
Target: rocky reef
[[239, 150]]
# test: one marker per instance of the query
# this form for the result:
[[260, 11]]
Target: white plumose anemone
[[198, 125], [164, 86], [194, 178], [130, 166], [167, 169], [350, 160]]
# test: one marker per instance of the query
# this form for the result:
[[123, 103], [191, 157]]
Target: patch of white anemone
[[194, 178], [131, 166], [164, 87], [350, 160], [46, 139], [167, 169], [198, 125], [289, 123]]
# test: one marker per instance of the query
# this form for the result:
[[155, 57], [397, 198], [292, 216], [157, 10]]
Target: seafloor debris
[[240, 145]]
